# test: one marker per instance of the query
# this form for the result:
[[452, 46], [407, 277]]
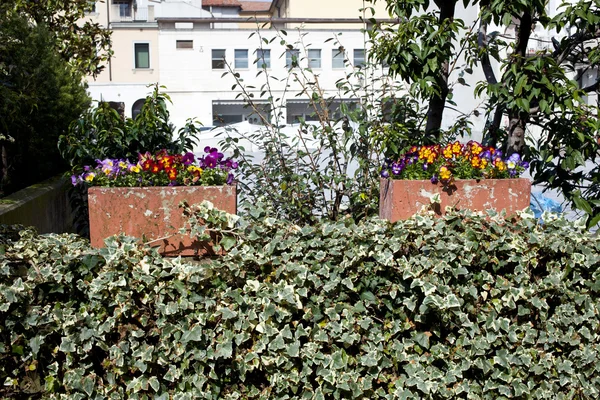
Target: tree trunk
[[437, 103], [517, 119], [3, 168], [516, 134]]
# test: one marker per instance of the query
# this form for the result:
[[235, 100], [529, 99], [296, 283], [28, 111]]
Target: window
[[359, 58], [136, 109], [142, 55], [241, 59], [218, 59], [185, 44], [263, 58], [91, 8], [124, 7], [337, 58], [314, 58], [292, 58]]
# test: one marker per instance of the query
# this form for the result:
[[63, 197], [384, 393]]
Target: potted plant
[[464, 176], [142, 198]]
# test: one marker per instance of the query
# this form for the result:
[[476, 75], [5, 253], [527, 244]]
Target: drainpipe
[[108, 27]]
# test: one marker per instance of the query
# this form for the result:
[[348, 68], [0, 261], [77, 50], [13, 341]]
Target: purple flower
[[188, 158], [385, 173], [434, 179], [525, 164], [229, 179], [210, 160], [425, 167], [487, 155], [75, 179], [515, 157], [396, 168]]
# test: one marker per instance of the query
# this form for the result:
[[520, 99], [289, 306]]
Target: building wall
[[333, 9], [194, 85]]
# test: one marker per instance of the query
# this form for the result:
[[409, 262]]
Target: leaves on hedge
[[454, 307]]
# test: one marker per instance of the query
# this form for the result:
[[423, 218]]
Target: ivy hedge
[[454, 307]]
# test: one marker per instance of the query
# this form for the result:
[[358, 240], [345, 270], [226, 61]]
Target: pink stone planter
[[154, 214], [401, 199]]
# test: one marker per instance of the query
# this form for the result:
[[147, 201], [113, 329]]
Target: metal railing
[[128, 13]]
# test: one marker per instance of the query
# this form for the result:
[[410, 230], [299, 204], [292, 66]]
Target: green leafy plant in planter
[[329, 166], [101, 133]]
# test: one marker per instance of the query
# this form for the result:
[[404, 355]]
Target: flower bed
[[160, 169], [142, 199], [444, 164], [463, 176]]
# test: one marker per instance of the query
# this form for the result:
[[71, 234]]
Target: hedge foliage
[[455, 307]]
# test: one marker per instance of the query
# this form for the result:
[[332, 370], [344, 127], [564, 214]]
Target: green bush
[[455, 307]]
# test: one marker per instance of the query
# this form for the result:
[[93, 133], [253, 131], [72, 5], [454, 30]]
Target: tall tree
[[84, 44], [40, 94], [531, 89]]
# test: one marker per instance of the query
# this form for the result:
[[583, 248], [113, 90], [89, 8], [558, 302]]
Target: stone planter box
[[401, 199], [153, 213]]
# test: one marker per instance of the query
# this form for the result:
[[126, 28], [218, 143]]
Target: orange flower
[[172, 173], [476, 162]]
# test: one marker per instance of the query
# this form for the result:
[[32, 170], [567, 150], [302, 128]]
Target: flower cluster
[[160, 169], [454, 161]]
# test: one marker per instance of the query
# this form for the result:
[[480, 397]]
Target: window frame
[[182, 41], [243, 60], [312, 59], [129, 7], [135, 55], [266, 61], [341, 56], [289, 62], [354, 58], [218, 60]]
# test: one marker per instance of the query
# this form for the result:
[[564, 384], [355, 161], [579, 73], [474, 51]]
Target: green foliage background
[[40, 95], [430, 308]]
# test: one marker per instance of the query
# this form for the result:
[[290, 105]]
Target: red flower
[[147, 165]]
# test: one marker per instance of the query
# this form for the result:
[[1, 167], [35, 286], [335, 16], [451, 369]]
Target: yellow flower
[[90, 177], [135, 168], [476, 149], [448, 152], [500, 165], [194, 169], [484, 163], [476, 162], [445, 173], [456, 148]]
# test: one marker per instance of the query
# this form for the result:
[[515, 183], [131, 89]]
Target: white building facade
[[187, 46]]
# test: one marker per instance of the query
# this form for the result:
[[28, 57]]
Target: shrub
[[453, 307]]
